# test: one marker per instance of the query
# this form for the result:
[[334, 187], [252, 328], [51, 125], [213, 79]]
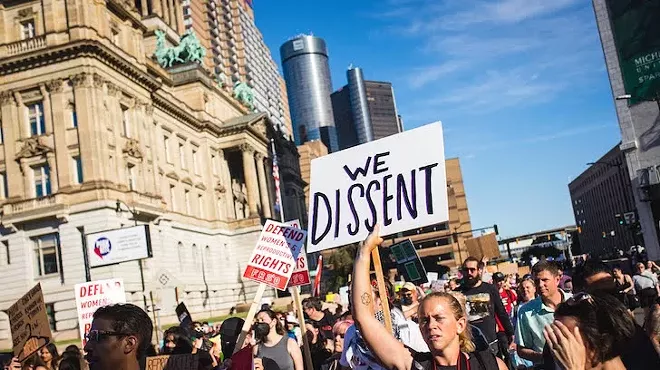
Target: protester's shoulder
[[529, 307], [421, 360]]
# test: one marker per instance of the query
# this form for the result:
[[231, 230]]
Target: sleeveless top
[[276, 357], [482, 360]]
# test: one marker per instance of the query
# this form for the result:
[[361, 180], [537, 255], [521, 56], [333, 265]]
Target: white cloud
[[511, 11], [424, 75]]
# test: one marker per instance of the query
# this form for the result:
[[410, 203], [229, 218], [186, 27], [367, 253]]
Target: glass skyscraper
[[308, 83]]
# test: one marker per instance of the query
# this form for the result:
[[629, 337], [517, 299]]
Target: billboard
[[119, 245], [636, 29]]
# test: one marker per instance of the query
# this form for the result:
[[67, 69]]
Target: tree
[[341, 262]]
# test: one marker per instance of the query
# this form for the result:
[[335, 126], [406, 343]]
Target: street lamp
[[132, 211]]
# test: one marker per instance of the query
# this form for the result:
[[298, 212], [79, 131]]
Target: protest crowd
[[556, 317]]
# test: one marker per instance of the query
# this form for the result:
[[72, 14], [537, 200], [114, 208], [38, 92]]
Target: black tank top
[[483, 360]]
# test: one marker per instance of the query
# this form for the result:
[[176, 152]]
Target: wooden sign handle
[[297, 302], [380, 278], [256, 303]]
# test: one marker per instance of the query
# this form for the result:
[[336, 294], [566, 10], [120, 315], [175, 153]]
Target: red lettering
[[287, 266], [274, 264], [301, 262], [270, 227], [266, 261], [256, 259]]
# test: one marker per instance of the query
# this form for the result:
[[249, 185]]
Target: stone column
[[166, 11], [52, 164], [225, 178], [179, 17], [22, 117], [27, 178], [170, 4], [89, 125], [250, 174], [263, 186], [48, 121], [143, 5], [59, 111], [156, 7], [11, 132]]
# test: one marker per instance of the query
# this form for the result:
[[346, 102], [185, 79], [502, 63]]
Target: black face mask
[[261, 330], [406, 301]]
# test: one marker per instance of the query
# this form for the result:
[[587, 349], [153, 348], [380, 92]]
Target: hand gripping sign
[[300, 274], [274, 258]]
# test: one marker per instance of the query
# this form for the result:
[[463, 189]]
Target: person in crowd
[[646, 286], [443, 324], [320, 346], [484, 306], [652, 325], [175, 342], [477, 336], [293, 328], [313, 308], [275, 349], [509, 300], [653, 267], [339, 330], [50, 356], [118, 338], [568, 285], [230, 330], [34, 362], [625, 288], [539, 312], [453, 284], [594, 276], [409, 300], [72, 349], [590, 331], [526, 291]]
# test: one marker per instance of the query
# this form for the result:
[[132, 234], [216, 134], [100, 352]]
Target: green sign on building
[[636, 28]]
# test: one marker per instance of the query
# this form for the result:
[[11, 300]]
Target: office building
[[89, 121], [308, 83], [236, 51], [364, 110], [634, 69], [598, 195]]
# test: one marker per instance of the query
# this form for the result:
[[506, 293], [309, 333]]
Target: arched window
[[182, 256]]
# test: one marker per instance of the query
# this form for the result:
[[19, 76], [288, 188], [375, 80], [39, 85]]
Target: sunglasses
[[98, 335], [470, 269], [578, 298]]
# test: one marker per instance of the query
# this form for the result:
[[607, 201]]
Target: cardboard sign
[[119, 245], [408, 262], [483, 246], [274, 258], [398, 182], [523, 270], [432, 276], [92, 295], [507, 268], [172, 362], [300, 274], [29, 323]]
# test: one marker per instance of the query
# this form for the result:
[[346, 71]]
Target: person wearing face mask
[[275, 349], [409, 300], [485, 307]]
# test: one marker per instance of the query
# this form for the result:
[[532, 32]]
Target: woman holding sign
[[442, 321]]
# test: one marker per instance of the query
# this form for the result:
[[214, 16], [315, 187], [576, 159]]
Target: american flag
[[276, 176]]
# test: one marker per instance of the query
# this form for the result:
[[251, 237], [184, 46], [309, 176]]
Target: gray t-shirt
[[645, 280]]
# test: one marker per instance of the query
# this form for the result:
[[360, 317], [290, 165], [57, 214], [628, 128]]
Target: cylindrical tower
[[359, 105]]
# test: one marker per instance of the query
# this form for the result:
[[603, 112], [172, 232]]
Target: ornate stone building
[[96, 135]]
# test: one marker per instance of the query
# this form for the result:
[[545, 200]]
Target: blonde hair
[[456, 303]]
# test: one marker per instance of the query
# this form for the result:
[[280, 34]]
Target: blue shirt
[[533, 316]]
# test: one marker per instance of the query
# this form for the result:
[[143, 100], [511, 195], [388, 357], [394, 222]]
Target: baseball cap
[[291, 319], [498, 276], [408, 286]]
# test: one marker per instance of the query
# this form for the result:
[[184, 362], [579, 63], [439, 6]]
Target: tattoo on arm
[[366, 299]]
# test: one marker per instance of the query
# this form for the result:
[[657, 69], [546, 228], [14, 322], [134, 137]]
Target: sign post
[[29, 324], [380, 279]]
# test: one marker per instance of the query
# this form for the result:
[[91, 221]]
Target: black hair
[[52, 349], [589, 268], [72, 349], [70, 363], [279, 328], [33, 362], [181, 341], [470, 259], [129, 319], [548, 266], [605, 324], [312, 302]]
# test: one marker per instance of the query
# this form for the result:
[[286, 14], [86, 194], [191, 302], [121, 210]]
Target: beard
[[471, 281]]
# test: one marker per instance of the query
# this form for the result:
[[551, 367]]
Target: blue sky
[[520, 86]]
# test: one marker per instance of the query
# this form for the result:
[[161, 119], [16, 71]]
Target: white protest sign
[[274, 258], [398, 182], [119, 245], [94, 294], [300, 274]]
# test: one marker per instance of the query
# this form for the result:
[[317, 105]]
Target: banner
[[408, 263], [119, 245], [636, 29], [29, 323], [300, 274], [274, 258], [92, 295], [398, 182]]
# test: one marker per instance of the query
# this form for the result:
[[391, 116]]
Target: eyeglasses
[[98, 335], [579, 298]]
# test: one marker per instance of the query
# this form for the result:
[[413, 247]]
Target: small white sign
[[274, 258], [93, 295], [298, 45], [398, 182], [118, 245], [300, 274]]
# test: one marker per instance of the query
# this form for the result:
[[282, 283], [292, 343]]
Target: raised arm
[[390, 352]]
